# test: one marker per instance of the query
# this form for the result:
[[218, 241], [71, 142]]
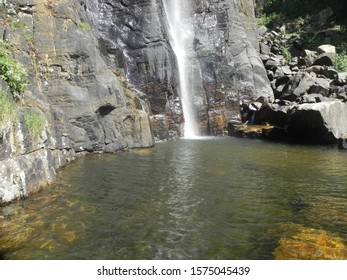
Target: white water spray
[[178, 13]]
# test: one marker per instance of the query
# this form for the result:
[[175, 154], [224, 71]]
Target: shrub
[[268, 20], [286, 54], [12, 71], [341, 62], [7, 112], [35, 123]]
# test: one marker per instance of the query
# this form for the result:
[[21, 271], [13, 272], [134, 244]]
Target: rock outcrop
[[310, 94]]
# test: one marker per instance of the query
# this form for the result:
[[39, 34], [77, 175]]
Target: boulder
[[342, 144], [319, 123], [264, 49], [329, 72], [318, 69], [341, 79], [321, 86], [325, 59], [322, 18], [326, 49], [282, 81], [272, 64], [308, 58], [272, 114], [304, 85]]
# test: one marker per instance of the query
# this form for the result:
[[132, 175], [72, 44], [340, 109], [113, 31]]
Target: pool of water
[[212, 198]]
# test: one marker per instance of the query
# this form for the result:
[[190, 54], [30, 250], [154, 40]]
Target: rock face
[[135, 36], [80, 103]]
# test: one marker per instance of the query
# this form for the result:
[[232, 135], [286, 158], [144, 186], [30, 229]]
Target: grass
[[18, 25], [12, 71], [7, 112], [35, 123]]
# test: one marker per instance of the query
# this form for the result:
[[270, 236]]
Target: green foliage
[[286, 54], [84, 26], [7, 112], [12, 71], [341, 62], [18, 25], [312, 40], [267, 20], [35, 123]]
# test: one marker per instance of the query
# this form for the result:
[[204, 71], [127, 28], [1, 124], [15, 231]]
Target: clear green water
[[216, 198]]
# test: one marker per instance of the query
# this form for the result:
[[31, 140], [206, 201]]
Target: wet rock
[[298, 242], [342, 144]]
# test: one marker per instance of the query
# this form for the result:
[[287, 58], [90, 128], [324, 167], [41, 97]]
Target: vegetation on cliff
[[310, 20], [7, 115], [12, 71]]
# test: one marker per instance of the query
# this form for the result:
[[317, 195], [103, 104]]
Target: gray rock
[[322, 122], [330, 73], [304, 85], [282, 80], [321, 86], [325, 59], [272, 114], [264, 49], [272, 64], [318, 69], [341, 79], [326, 49]]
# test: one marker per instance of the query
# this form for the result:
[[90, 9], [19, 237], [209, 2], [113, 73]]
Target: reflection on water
[[216, 198]]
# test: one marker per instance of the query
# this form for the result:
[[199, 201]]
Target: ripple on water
[[213, 199]]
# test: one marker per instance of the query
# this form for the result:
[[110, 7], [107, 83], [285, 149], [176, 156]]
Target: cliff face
[[135, 37], [74, 101], [103, 77]]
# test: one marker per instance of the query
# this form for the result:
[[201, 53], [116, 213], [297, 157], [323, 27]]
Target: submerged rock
[[298, 242]]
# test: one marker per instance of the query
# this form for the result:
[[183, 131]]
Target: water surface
[[215, 198]]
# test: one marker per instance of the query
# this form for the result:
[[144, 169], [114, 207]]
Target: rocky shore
[[310, 94]]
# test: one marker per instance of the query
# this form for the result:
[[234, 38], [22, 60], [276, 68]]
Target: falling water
[[178, 14]]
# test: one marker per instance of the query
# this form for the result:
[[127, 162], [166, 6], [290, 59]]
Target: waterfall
[[178, 13]]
